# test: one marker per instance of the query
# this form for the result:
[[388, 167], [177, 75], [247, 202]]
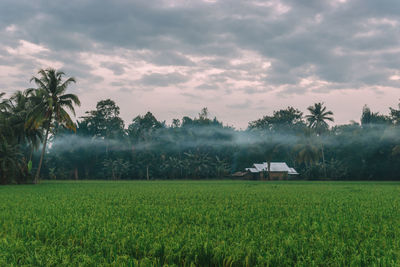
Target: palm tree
[[20, 105], [221, 167], [5, 114], [306, 151], [318, 117], [52, 105], [317, 121], [4, 103], [10, 160]]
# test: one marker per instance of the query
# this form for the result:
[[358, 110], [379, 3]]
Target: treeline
[[39, 139]]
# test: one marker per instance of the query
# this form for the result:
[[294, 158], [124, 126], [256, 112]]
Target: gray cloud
[[252, 47], [158, 79], [205, 86], [116, 68], [168, 58], [246, 104], [293, 35]]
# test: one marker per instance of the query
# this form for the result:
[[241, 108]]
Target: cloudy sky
[[241, 59]]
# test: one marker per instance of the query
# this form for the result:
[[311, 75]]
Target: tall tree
[[395, 115], [105, 121], [369, 118], [282, 120], [10, 160], [317, 121], [51, 109], [307, 152], [142, 132], [20, 105]]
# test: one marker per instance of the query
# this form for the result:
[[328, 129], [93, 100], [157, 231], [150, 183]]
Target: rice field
[[200, 223]]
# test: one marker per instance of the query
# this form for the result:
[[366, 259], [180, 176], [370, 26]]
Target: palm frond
[[61, 88], [66, 120], [72, 97]]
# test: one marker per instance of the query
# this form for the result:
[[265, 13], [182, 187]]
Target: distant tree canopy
[[99, 145], [395, 115], [104, 121], [374, 118], [284, 119]]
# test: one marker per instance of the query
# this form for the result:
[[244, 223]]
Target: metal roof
[[252, 170], [274, 167], [278, 167], [260, 167], [292, 171]]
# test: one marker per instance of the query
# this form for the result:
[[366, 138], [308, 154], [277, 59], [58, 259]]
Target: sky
[[241, 59]]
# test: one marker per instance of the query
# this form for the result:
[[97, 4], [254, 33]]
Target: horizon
[[127, 118]]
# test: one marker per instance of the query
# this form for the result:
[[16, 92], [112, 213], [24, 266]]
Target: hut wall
[[278, 175]]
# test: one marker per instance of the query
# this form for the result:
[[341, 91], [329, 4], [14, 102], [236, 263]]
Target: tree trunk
[[42, 155], [31, 154], [86, 172], [147, 172], [323, 158], [76, 173]]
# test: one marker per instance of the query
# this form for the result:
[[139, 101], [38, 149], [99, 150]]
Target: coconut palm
[[318, 117], [4, 103], [20, 105], [19, 109], [5, 129], [52, 105], [317, 121], [10, 160], [306, 152]]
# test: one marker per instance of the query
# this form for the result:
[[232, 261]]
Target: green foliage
[[50, 105], [190, 148], [318, 117], [395, 115], [104, 121], [11, 162], [369, 118], [202, 223], [116, 168], [28, 118], [281, 120], [193, 151]]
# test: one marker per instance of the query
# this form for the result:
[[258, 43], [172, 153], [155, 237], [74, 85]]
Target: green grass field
[[187, 223]]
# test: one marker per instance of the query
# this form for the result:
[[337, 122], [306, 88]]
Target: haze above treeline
[[100, 145]]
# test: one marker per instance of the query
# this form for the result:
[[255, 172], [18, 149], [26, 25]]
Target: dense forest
[[39, 139]]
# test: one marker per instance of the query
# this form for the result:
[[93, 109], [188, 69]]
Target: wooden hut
[[272, 171]]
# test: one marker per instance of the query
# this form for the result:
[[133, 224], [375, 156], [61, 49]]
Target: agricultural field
[[202, 223]]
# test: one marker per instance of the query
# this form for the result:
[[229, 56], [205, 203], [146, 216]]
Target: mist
[[164, 139], [209, 136]]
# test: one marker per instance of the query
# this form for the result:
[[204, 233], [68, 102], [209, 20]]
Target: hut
[[253, 174], [272, 171]]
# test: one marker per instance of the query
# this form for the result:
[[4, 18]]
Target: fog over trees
[[38, 138]]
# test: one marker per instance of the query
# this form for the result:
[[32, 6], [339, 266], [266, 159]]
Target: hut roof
[[293, 171], [278, 167], [252, 170], [274, 167], [260, 167]]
